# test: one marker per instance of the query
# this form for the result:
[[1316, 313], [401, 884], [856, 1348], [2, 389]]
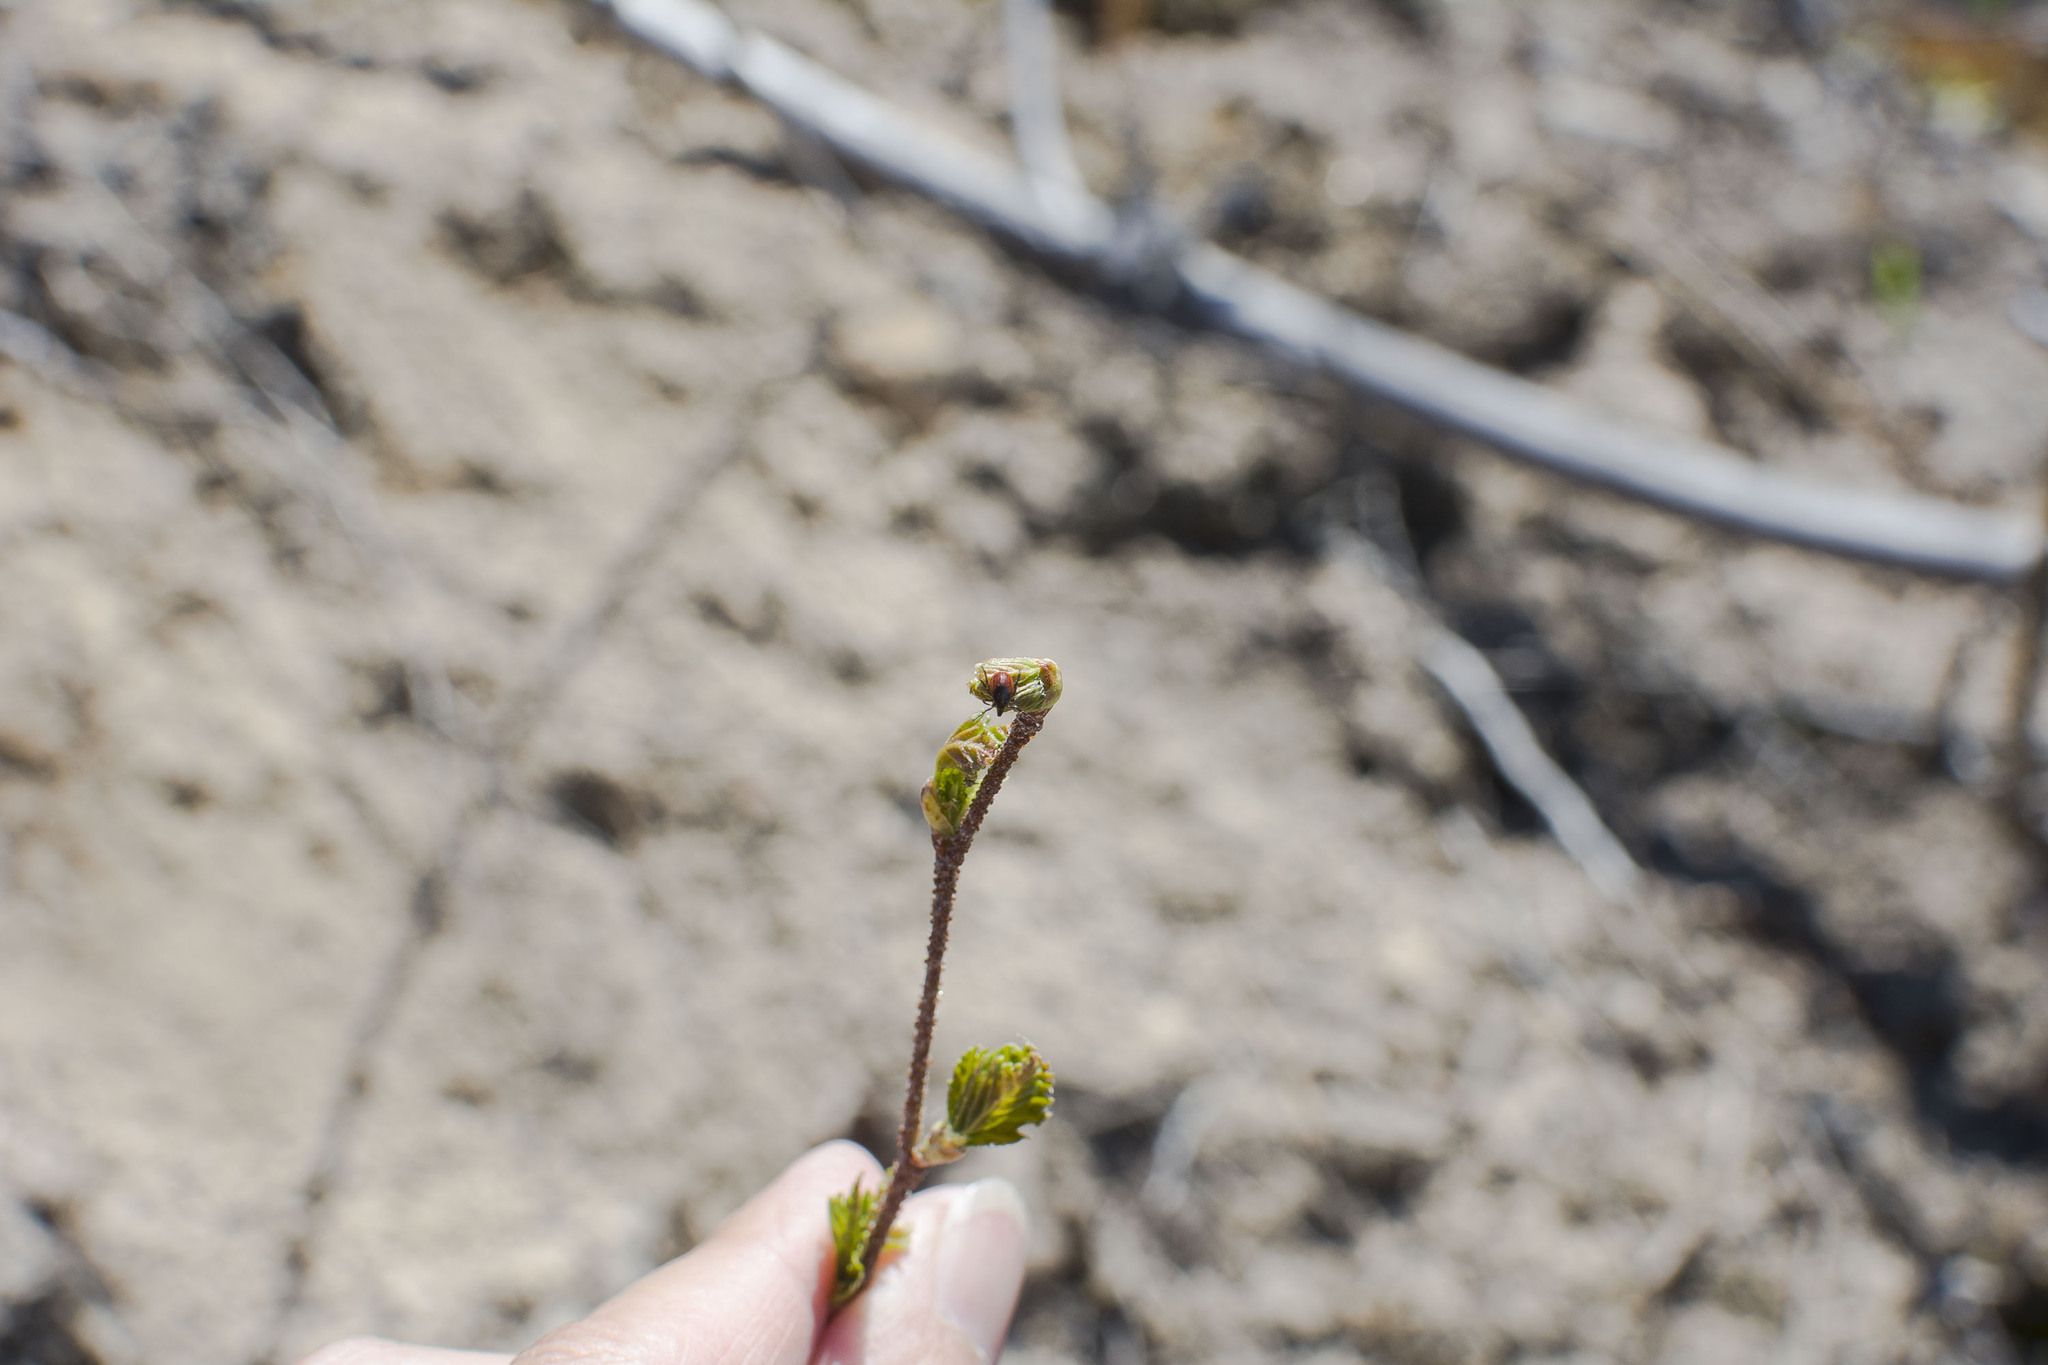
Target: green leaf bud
[[1017, 684], [994, 1096], [957, 774]]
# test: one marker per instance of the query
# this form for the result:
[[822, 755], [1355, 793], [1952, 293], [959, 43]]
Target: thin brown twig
[[948, 853]]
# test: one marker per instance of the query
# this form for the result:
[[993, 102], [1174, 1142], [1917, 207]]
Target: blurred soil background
[[503, 529]]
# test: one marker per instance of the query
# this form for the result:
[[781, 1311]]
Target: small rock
[[902, 343]]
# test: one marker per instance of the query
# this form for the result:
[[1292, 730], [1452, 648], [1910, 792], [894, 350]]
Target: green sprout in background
[[995, 1093], [1895, 281]]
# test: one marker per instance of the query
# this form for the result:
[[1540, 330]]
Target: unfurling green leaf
[[1017, 684], [957, 775], [853, 1219], [994, 1096]]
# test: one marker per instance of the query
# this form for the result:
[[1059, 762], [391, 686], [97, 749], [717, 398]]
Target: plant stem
[[948, 853]]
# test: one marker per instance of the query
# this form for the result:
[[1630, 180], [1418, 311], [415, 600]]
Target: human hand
[[757, 1291]]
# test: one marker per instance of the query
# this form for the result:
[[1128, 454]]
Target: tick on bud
[[1017, 684]]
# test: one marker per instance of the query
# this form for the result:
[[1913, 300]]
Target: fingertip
[[981, 1263], [841, 1145], [834, 1163]]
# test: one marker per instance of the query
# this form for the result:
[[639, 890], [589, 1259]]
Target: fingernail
[[981, 1262]]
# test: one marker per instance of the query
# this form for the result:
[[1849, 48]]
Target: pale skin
[[757, 1292]]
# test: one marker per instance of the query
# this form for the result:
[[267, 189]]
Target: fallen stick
[[1470, 681], [1522, 419], [1471, 685]]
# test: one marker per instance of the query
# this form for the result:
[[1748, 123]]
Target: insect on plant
[[995, 1093]]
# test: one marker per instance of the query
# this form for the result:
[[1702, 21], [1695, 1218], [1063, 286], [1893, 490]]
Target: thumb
[[947, 1300]]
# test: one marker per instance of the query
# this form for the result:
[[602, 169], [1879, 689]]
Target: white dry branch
[[1470, 681], [1049, 214]]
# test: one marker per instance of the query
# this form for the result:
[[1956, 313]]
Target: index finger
[[757, 1293]]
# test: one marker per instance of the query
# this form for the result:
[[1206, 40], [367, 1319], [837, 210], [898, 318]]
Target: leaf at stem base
[[853, 1217]]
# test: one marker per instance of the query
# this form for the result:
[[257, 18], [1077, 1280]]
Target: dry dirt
[[446, 868]]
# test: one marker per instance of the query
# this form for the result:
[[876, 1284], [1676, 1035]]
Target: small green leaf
[[1017, 684], [957, 774], [993, 1098]]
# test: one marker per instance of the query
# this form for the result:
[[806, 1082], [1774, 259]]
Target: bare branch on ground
[[1520, 418]]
